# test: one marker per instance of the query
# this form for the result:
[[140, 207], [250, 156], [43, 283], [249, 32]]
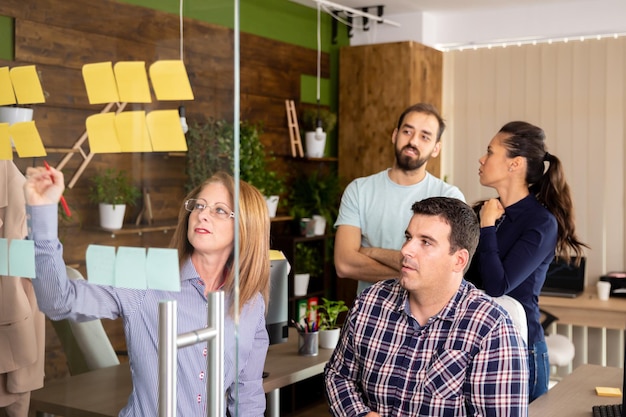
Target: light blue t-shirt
[[382, 209]]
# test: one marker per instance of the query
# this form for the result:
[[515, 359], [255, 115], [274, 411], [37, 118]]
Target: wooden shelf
[[139, 229], [324, 159]]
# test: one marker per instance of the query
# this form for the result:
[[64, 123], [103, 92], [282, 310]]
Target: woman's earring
[[510, 169]]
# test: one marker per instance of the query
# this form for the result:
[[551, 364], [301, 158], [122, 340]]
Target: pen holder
[[308, 344]]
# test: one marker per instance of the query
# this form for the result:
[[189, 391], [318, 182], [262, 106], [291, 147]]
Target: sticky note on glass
[[4, 256], [22, 258], [27, 140], [26, 85], [608, 392], [162, 269], [132, 82], [100, 83], [132, 131], [7, 96], [166, 133], [6, 150], [102, 133], [100, 262], [130, 268], [170, 81]]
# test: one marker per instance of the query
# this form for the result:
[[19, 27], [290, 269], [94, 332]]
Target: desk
[[104, 392], [574, 396], [587, 310]]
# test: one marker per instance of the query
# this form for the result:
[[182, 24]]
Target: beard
[[406, 163]]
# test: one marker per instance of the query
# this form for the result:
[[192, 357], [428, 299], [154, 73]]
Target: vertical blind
[[576, 92]]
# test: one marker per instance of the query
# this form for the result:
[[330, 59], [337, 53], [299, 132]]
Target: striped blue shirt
[[60, 298], [468, 360]]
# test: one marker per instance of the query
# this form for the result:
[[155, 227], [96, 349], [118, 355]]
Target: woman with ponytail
[[521, 231]]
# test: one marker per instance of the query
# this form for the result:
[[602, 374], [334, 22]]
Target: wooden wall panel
[[61, 36], [376, 83]]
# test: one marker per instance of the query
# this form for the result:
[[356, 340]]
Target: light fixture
[[354, 12], [319, 131], [183, 119], [181, 108]]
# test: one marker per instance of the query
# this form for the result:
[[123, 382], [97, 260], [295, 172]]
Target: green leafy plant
[[211, 149], [308, 259], [113, 186], [315, 194], [310, 115], [328, 313]]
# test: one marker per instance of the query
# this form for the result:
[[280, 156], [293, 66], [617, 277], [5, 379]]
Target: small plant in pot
[[327, 315], [112, 190], [317, 122], [307, 264], [316, 194]]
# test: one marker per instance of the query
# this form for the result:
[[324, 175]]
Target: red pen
[[66, 208]]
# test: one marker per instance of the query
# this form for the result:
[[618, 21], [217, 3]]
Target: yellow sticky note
[[608, 392], [132, 131], [27, 140], [166, 133], [170, 81], [102, 134], [100, 83], [26, 85], [276, 255], [7, 96], [132, 82], [6, 152]]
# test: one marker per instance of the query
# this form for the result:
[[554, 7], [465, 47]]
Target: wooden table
[[574, 396], [104, 392], [587, 310]]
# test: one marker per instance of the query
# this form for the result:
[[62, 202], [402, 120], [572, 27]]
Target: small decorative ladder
[[294, 131]]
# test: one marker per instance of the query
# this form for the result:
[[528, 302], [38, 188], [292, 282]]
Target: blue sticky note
[[100, 264], [22, 258], [4, 257], [162, 269], [130, 268]]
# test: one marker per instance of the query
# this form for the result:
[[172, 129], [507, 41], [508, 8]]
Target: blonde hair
[[254, 239]]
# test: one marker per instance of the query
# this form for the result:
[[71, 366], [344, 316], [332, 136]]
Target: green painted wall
[[6, 38]]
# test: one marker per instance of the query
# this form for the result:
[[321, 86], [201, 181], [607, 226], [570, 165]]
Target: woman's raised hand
[[43, 186]]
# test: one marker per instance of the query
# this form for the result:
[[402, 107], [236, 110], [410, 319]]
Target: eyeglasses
[[219, 210]]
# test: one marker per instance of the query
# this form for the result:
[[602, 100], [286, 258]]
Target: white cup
[[604, 290]]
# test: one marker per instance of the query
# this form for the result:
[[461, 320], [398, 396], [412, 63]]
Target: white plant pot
[[315, 144], [112, 216], [300, 284], [320, 225], [329, 338], [13, 115], [272, 204]]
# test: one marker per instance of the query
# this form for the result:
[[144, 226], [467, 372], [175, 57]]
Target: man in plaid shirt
[[429, 343]]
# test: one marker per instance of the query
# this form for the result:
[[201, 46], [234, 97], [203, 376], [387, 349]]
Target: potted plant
[[316, 194], [327, 315], [112, 190], [317, 122], [212, 143], [307, 264]]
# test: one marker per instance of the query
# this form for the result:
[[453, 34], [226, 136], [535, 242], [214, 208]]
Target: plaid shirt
[[468, 360]]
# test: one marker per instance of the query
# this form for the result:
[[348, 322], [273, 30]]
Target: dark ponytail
[[548, 185]]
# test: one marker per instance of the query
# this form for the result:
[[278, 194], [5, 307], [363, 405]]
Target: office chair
[[516, 312], [86, 344], [561, 349]]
